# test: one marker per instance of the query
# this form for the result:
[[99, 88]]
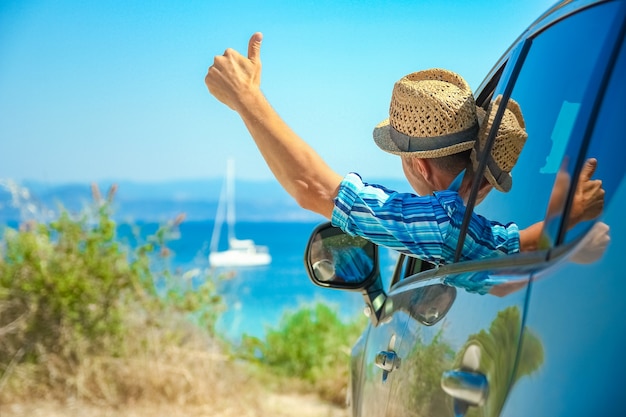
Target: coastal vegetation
[[85, 317], [309, 349]]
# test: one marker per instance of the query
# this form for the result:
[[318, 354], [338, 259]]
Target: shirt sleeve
[[427, 227], [401, 221], [484, 238]]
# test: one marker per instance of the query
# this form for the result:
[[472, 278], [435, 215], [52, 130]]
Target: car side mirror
[[334, 259]]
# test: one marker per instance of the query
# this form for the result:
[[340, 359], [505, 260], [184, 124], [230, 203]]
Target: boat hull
[[235, 257]]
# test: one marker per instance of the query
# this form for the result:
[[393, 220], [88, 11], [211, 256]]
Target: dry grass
[[210, 386], [159, 378], [180, 383], [270, 405]]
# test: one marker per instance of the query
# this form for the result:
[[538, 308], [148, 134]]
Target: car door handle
[[466, 386], [387, 360]]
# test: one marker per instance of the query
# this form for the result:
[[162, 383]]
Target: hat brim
[[506, 180], [382, 138]]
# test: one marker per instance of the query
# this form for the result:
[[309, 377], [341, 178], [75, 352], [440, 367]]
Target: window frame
[[583, 127], [510, 72]]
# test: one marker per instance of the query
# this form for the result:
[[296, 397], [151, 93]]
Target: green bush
[[70, 291], [311, 344]]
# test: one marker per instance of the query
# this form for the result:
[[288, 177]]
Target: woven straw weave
[[432, 104], [428, 105], [508, 143]]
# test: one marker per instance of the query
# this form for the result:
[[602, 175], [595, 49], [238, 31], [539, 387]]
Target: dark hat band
[[503, 178], [408, 143]]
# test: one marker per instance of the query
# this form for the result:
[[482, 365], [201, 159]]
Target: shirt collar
[[456, 184]]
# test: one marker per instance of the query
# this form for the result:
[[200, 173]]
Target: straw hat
[[432, 114], [507, 145]]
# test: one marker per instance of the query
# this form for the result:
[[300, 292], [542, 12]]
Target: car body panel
[[429, 351], [576, 307], [375, 384], [577, 312]]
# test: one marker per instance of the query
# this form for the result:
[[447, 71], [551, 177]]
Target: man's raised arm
[[235, 80]]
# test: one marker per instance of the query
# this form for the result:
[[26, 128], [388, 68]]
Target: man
[[426, 226]]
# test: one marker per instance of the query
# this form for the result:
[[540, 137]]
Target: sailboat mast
[[230, 198], [219, 218]]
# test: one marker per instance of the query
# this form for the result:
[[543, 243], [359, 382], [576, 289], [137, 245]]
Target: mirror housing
[[427, 304], [334, 259]]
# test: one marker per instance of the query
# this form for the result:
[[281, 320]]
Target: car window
[[606, 149], [408, 266], [548, 92]]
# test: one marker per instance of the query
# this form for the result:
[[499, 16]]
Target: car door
[[375, 353], [466, 361], [576, 307]]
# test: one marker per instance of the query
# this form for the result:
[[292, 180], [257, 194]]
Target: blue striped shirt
[[427, 227]]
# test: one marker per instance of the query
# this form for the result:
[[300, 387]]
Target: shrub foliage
[[71, 291], [311, 344], [84, 316]]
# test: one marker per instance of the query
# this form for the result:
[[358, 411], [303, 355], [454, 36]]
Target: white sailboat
[[240, 252]]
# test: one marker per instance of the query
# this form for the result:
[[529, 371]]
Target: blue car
[[537, 333]]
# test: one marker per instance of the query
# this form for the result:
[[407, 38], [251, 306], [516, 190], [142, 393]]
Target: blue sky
[[114, 90]]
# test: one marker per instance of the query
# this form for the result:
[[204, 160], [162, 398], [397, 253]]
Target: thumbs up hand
[[232, 77], [588, 200]]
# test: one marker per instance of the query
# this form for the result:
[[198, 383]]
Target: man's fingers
[[254, 47], [588, 169]]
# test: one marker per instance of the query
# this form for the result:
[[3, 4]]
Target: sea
[[256, 298]]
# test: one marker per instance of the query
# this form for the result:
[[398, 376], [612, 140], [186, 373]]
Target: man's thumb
[[589, 168], [254, 47]]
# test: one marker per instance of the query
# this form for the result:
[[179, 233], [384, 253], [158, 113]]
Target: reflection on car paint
[[497, 347]]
